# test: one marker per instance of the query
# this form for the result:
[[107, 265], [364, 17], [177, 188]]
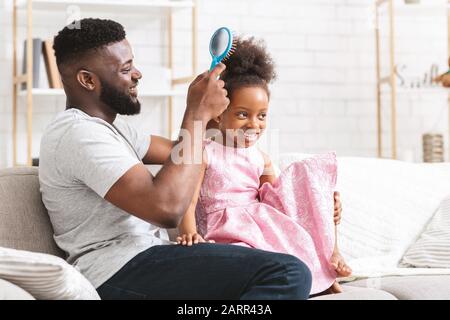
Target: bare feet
[[342, 270], [335, 288], [338, 263]]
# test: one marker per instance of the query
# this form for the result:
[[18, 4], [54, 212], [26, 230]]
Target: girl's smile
[[244, 121]]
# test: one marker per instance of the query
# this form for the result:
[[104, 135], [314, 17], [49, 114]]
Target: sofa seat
[[390, 288], [9, 291], [25, 225], [427, 287], [357, 293]]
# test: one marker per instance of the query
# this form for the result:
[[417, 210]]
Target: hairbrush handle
[[214, 63]]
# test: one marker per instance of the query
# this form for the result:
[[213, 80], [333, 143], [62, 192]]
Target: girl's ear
[[218, 119], [214, 123]]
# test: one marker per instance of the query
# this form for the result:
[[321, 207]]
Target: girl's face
[[244, 121]]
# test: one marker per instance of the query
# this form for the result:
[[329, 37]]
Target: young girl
[[240, 201]]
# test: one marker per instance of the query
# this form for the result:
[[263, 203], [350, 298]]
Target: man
[[109, 213]]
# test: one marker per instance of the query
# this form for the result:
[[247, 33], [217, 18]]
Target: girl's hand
[[337, 208], [191, 238]]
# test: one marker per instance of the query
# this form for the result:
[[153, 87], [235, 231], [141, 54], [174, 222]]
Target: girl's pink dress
[[294, 215]]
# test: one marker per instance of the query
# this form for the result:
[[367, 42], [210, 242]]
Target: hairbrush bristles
[[231, 51]]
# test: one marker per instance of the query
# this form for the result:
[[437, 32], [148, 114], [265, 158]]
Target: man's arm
[[159, 150], [163, 199], [160, 147]]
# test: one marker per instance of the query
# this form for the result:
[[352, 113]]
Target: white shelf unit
[[145, 94], [109, 4], [164, 8], [393, 9], [406, 9]]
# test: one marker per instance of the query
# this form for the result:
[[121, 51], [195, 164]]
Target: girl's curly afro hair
[[250, 65]]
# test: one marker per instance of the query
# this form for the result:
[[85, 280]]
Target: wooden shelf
[[430, 90], [148, 94], [386, 11], [123, 6]]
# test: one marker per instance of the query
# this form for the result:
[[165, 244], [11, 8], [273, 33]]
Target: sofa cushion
[[410, 287], [9, 291], [432, 249], [357, 293], [25, 224], [45, 276]]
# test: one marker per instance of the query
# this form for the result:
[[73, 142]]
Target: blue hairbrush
[[221, 46]]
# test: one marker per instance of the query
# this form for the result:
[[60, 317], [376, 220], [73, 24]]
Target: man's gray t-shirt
[[81, 157]]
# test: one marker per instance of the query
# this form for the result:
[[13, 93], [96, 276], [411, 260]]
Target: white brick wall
[[324, 98]]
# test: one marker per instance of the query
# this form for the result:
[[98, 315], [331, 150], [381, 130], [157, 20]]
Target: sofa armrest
[[9, 291]]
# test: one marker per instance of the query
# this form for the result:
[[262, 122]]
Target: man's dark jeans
[[209, 271]]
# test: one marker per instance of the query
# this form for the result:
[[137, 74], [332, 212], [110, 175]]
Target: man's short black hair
[[84, 35]]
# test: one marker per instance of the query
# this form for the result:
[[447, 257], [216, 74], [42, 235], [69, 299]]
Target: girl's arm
[[187, 229], [269, 172]]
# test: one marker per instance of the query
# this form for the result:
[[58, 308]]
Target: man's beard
[[118, 101]]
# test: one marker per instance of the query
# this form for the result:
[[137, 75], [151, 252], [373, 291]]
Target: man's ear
[[86, 79]]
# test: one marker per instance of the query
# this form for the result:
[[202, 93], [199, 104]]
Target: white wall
[[324, 98]]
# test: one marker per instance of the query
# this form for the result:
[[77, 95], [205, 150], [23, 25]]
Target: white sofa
[[371, 190]]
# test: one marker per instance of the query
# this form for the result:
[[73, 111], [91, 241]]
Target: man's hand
[[191, 238], [207, 97], [337, 208]]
